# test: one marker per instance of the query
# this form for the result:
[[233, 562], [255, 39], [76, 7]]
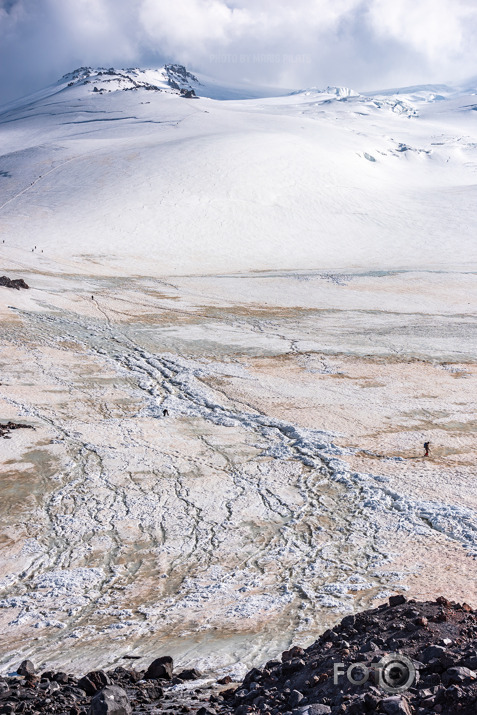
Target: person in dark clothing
[[165, 412], [426, 449]]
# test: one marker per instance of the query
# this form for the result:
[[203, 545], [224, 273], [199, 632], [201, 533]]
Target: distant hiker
[[165, 412], [92, 297], [426, 449]]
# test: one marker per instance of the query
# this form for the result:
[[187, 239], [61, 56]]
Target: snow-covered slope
[[152, 172]]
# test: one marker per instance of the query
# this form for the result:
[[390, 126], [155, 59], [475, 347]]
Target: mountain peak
[[172, 78], [338, 93]]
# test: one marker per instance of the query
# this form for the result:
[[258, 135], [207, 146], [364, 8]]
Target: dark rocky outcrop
[[4, 432], [16, 283]]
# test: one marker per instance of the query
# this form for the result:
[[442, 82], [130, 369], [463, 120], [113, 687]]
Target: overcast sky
[[364, 44]]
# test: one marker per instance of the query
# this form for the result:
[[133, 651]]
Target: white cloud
[[362, 43], [437, 29]]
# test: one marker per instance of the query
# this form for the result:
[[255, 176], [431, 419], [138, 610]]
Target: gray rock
[[370, 647], [292, 666], [431, 652], [190, 674], [26, 668], [112, 700], [395, 705], [93, 682], [295, 698], [160, 668], [429, 701], [348, 621], [471, 662], [315, 709], [61, 678], [397, 600], [458, 675]]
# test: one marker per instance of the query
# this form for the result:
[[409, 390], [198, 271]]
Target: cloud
[[362, 43], [440, 31]]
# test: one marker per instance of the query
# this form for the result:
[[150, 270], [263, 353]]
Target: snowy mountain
[[173, 78], [162, 171]]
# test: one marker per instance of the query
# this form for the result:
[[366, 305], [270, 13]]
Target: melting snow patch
[[74, 581]]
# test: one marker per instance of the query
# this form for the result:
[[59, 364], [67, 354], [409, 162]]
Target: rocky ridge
[[16, 283], [435, 641]]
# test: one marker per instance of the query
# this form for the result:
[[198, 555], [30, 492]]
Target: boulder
[[252, 676], [348, 621], [161, 668], [295, 698], [292, 666], [395, 705], [190, 674], [315, 709], [295, 652], [471, 662], [48, 675], [421, 621], [26, 668], [93, 682], [397, 600], [431, 652], [458, 675], [153, 690], [111, 700], [16, 283]]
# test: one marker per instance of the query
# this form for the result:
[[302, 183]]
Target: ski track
[[327, 549]]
